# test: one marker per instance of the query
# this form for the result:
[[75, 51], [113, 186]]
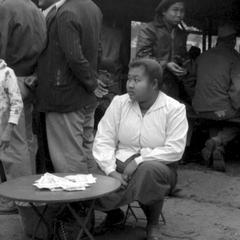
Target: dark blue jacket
[[218, 81], [67, 68], [156, 40], [22, 35]]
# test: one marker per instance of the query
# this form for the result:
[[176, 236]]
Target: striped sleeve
[[69, 30]]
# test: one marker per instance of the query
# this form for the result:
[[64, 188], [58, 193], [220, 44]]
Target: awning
[[200, 13]]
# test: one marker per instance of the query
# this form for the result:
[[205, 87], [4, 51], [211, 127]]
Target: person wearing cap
[[163, 40], [217, 93], [139, 141]]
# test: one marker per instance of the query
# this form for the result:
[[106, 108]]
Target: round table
[[22, 189]]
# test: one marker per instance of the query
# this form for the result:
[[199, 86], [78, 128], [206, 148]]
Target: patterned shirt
[[11, 104]]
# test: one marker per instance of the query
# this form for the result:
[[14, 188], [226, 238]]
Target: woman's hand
[[120, 177], [6, 137], [176, 69], [130, 170]]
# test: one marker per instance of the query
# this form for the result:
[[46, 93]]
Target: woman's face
[[139, 87], [175, 13]]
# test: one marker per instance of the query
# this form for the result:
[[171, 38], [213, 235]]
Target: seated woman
[[140, 138]]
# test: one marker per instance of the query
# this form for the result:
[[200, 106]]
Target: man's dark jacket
[[22, 35], [68, 65], [218, 81]]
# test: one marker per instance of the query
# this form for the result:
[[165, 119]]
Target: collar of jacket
[[160, 102], [58, 5], [225, 47]]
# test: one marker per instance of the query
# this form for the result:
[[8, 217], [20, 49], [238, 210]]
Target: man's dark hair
[[152, 69], [228, 40]]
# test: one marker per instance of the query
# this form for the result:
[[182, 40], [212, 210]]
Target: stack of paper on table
[[78, 182]]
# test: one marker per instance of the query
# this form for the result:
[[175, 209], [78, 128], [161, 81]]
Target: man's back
[[214, 79], [22, 35], [86, 16], [67, 67]]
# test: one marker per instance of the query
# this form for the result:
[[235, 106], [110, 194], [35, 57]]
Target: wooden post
[[210, 28], [127, 36], [204, 41]]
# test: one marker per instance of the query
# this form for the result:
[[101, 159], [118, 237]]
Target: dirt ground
[[208, 208]]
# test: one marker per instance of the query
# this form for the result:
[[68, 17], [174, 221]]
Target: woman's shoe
[[153, 232]]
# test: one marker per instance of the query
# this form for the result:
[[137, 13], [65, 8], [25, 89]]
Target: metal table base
[[52, 234]]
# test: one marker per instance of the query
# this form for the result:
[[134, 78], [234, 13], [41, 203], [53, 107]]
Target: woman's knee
[[152, 166], [156, 170]]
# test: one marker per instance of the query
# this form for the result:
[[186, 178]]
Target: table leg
[[41, 219], [2, 173], [83, 223]]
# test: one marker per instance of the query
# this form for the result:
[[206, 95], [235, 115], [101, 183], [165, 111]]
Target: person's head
[[173, 11], [227, 35], [144, 79], [44, 4]]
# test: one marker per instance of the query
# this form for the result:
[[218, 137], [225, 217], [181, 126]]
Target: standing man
[[68, 84], [163, 40], [22, 38]]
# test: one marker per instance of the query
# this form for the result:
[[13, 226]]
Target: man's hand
[[31, 82], [101, 90], [23, 88], [119, 176], [6, 137], [176, 69], [130, 170]]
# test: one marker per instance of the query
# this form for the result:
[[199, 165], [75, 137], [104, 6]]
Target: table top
[[22, 189]]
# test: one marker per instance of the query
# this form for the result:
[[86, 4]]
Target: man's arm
[[16, 106], [234, 90], [146, 37], [70, 40], [15, 99]]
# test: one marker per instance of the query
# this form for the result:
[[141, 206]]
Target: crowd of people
[[52, 62], [208, 83]]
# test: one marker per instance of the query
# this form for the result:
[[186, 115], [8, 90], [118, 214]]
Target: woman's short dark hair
[[164, 5], [152, 69]]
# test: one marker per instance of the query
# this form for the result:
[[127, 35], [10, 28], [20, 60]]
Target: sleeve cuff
[[139, 160], [109, 170], [13, 120]]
